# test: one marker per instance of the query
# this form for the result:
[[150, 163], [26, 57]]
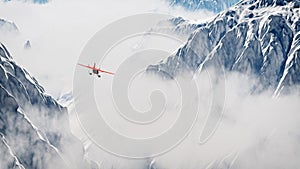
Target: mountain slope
[[34, 127], [178, 26], [8, 159], [211, 5], [8, 26], [32, 1], [254, 37]]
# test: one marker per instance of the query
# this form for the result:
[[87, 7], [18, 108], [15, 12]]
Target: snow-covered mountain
[[33, 1], [34, 128], [178, 26], [211, 5], [8, 26], [254, 37]]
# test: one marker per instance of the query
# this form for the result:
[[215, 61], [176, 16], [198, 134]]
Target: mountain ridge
[[252, 37], [34, 128], [211, 5]]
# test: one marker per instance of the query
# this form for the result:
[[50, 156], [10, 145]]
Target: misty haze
[[160, 84]]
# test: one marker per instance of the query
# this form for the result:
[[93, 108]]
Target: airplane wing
[[100, 70], [103, 71], [90, 67]]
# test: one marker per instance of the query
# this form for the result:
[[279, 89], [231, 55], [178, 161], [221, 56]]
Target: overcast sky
[[59, 30], [260, 131]]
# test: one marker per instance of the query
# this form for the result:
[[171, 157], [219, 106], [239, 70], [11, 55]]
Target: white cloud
[[256, 131], [59, 30], [263, 131]]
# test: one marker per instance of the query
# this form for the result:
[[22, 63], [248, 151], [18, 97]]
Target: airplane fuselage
[[96, 72]]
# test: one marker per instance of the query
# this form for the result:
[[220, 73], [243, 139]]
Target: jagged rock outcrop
[[34, 127], [211, 5], [260, 38]]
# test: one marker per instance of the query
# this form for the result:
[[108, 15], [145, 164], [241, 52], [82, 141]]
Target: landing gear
[[99, 76], [90, 73]]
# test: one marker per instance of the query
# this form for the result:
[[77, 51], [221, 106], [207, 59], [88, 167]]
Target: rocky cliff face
[[34, 128], [255, 37], [211, 5]]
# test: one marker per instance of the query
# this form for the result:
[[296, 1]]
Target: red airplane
[[95, 70]]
